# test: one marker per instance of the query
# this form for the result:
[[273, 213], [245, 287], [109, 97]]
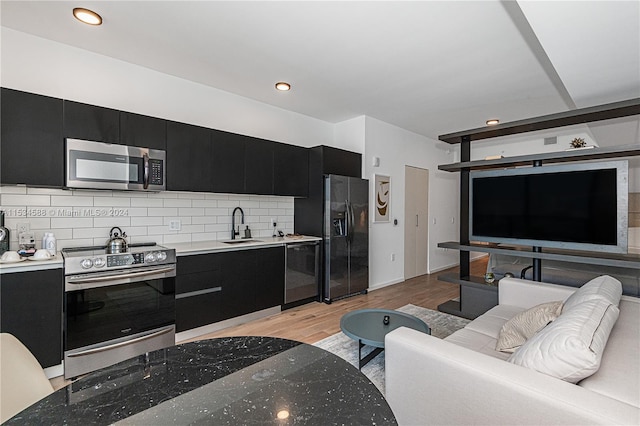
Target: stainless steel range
[[117, 305]]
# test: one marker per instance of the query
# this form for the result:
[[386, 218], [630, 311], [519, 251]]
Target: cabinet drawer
[[198, 263], [196, 311], [198, 281]]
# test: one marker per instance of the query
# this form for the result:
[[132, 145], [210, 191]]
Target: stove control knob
[[98, 262], [86, 263], [150, 257], [162, 255]]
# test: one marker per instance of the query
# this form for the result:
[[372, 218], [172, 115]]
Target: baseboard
[[385, 284], [217, 326], [54, 371]]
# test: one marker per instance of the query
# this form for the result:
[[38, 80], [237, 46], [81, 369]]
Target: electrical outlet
[[393, 257], [273, 222], [23, 227], [174, 225]]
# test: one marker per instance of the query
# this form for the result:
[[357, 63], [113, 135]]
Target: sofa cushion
[[492, 321], [602, 287], [571, 347], [477, 342], [525, 325], [619, 373]]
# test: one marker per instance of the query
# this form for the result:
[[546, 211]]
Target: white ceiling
[[432, 67]]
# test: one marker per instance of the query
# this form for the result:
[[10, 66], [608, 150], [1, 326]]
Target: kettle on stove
[[116, 242]]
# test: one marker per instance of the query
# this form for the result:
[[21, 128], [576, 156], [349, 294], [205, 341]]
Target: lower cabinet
[[31, 310], [218, 286]]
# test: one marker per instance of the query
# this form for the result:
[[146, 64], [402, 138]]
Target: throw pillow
[[525, 325], [603, 287], [571, 347]]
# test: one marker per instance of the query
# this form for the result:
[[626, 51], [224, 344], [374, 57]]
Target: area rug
[[346, 348]]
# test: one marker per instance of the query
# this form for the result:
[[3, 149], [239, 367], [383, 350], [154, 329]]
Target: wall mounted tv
[[579, 206]]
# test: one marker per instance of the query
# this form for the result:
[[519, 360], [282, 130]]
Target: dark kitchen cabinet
[[323, 160], [218, 286], [90, 122], [269, 280], [291, 166], [228, 162], [239, 277], [142, 131], [31, 144], [189, 156], [258, 166], [31, 310]]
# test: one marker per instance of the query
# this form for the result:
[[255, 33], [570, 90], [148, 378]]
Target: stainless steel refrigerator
[[346, 237]]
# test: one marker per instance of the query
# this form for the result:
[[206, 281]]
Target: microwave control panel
[[155, 172]]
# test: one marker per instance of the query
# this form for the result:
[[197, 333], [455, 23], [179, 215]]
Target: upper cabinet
[[199, 159], [228, 162], [189, 155], [142, 131], [258, 167], [291, 170], [90, 122], [32, 147]]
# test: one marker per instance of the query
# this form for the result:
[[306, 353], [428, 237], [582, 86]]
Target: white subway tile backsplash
[[70, 200], [25, 200], [171, 211], [112, 202], [177, 202], [147, 221], [83, 217], [13, 189], [71, 222], [146, 202], [191, 211]]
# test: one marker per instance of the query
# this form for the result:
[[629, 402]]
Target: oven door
[[99, 165], [106, 323]]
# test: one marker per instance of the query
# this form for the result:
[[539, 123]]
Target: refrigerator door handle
[[352, 221], [347, 220]]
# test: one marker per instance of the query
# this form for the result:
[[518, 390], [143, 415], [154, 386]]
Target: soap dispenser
[[247, 232]]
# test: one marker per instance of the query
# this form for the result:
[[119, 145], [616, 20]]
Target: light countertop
[[32, 265], [203, 247]]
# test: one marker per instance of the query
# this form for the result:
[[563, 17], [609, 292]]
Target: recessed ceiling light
[[87, 16], [493, 122], [281, 85]]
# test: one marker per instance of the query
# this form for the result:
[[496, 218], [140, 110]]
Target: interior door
[[416, 228]]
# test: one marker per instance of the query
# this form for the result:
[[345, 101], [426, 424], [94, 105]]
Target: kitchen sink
[[241, 241]]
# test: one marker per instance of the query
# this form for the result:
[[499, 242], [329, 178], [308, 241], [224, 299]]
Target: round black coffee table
[[369, 326]]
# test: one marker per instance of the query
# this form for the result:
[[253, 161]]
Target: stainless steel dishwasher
[[302, 282]]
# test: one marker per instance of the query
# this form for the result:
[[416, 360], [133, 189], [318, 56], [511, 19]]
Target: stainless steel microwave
[[97, 165]]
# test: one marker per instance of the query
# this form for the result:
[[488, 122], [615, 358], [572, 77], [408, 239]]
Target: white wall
[[396, 148], [37, 65]]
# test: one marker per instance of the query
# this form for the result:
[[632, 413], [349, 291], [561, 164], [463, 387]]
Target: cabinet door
[[337, 161], [258, 166], [189, 156], [228, 162], [32, 148], [90, 122], [291, 167], [269, 277], [238, 278], [198, 291], [142, 131], [31, 310]]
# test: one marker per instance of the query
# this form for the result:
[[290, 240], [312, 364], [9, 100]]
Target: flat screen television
[[580, 206]]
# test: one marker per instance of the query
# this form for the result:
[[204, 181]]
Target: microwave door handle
[[145, 178]]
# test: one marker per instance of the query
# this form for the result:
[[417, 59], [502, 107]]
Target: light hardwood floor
[[314, 321]]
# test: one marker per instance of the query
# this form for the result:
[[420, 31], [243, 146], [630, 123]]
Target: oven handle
[[145, 178], [120, 344], [120, 276]]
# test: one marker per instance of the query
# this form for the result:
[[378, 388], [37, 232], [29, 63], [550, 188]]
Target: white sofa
[[463, 380]]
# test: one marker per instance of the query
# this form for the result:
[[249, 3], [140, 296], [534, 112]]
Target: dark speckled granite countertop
[[226, 381]]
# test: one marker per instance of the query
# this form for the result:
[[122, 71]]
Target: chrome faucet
[[233, 223]]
